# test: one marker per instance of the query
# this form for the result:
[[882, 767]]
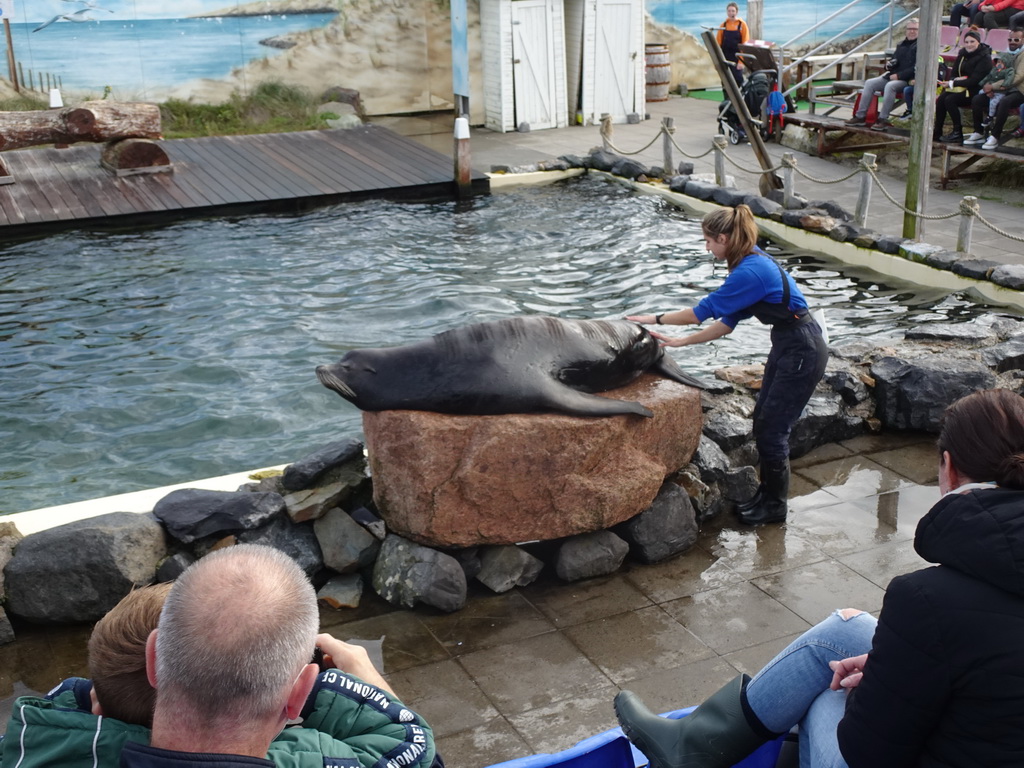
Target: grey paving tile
[[534, 672], [562, 725], [633, 645], [407, 642], [753, 552], [751, 660], [735, 617], [854, 477], [900, 511], [880, 564], [800, 486], [814, 500], [494, 742], [886, 441], [445, 695], [814, 591], [566, 605], [821, 454], [488, 620], [693, 571], [852, 526], [918, 462], [683, 686]]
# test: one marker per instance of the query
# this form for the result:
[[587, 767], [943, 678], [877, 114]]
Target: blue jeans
[[961, 10], [793, 687]]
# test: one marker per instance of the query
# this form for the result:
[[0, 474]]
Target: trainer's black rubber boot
[[773, 507], [753, 501], [718, 734]]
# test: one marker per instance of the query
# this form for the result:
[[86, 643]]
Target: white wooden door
[[533, 59], [615, 58]]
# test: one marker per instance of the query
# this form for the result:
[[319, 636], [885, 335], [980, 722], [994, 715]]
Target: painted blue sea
[[141, 58], [783, 21], [144, 58]]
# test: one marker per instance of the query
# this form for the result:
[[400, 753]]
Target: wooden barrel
[[658, 71]]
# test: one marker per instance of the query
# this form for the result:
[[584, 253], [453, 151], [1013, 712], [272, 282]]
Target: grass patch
[[23, 103], [270, 108]]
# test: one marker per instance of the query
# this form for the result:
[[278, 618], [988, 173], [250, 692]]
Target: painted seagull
[[82, 14]]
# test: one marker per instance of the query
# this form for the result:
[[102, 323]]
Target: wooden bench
[[968, 157], [822, 125], [952, 166]]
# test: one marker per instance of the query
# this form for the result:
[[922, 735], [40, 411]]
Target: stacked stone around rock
[[79, 571]]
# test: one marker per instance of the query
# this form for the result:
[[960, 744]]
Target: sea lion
[[515, 365]]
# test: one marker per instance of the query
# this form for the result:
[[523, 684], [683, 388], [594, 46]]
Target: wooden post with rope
[[768, 181]]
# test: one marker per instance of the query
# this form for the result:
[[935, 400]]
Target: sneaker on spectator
[[975, 138], [855, 121], [990, 143], [901, 118], [986, 121], [881, 125], [1018, 134]]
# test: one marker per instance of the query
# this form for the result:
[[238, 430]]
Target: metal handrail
[[843, 57], [838, 35], [823, 21]]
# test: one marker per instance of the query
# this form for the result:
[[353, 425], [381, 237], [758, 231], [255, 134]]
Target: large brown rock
[[460, 481]]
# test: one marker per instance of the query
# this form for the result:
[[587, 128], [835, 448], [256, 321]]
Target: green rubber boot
[[718, 734]]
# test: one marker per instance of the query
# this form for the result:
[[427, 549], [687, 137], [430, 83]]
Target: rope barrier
[[624, 152], [606, 138], [996, 229], [824, 181], [891, 199], [686, 154], [755, 172], [965, 210]]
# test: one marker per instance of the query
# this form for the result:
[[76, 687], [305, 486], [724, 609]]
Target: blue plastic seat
[[612, 750]]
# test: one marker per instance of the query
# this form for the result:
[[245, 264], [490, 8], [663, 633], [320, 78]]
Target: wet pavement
[[535, 669]]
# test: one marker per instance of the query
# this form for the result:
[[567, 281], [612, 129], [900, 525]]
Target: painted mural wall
[[395, 52]]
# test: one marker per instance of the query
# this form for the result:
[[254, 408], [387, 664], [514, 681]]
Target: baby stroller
[[755, 92]]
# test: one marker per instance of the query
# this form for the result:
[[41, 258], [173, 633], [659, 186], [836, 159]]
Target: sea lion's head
[[364, 377], [348, 377]]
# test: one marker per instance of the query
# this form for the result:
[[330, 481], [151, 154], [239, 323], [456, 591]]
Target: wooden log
[[138, 155], [89, 121]]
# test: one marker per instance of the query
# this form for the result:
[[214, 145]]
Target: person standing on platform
[[758, 287], [731, 35]]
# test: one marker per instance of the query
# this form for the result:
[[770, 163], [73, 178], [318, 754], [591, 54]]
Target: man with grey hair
[[230, 661]]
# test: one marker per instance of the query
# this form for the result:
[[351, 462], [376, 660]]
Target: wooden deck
[[62, 188]]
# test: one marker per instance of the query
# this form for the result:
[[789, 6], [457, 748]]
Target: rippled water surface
[[139, 359]]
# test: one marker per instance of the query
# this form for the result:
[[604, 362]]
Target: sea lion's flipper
[[670, 369], [575, 403]]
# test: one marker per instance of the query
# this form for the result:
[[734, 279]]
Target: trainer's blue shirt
[[756, 278]]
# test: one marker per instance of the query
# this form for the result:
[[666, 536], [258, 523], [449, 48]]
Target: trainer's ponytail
[[738, 225]]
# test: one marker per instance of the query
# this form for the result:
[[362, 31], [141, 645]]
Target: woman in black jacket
[[972, 64], [941, 682]]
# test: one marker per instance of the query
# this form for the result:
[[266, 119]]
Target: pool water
[[138, 359]]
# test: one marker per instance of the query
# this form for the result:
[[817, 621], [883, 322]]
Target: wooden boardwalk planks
[[58, 188]]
